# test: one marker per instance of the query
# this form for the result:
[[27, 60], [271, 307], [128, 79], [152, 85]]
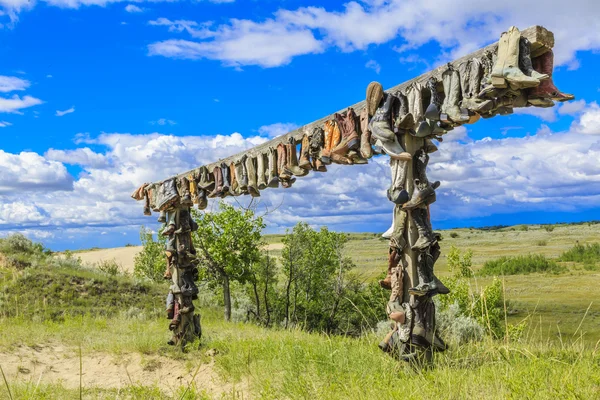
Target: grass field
[[111, 349]]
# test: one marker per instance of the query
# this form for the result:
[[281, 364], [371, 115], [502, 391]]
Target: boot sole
[[499, 82]]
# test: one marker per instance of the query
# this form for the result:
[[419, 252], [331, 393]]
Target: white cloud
[[277, 129], [458, 27], [163, 121], [48, 76], [374, 65], [4, 124], [12, 83], [545, 114], [65, 112], [30, 171], [131, 8], [589, 121], [82, 156], [13, 104]]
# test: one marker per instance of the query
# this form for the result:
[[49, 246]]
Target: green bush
[[460, 265], [110, 267], [150, 262], [453, 235], [583, 253], [520, 265], [541, 243], [549, 228]]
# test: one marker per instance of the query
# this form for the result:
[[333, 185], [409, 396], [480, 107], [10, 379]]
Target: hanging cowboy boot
[[170, 225], [422, 194], [381, 130], [374, 96], [525, 63], [283, 171], [292, 159], [218, 178], [506, 70], [304, 162], [206, 180], [261, 178], [397, 193], [405, 118], [350, 139], [273, 178], [236, 171], [162, 217], [546, 91], [415, 102], [425, 286], [316, 144], [252, 186], [451, 112], [184, 221], [325, 152], [243, 181], [470, 79], [226, 177], [393, 260], [365, 135], [193, 188], [336, 137], [426, 237], [202, 199], [434, 109], [419, 334]]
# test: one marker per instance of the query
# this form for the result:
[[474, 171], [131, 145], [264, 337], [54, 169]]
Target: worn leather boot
[[273, 175], [243, 180], [202, 199], [226, 177], [184, 221], [419, 336], [239, 173], [261, 172], [422, 194], [405, 118], [426, 237], [506, 70], [393, 260], [292, 159], [365, 135], [451, 112], [374, 96], [316, 144], [218, 190], [434, 109], [162, 217], [304, 162], [283, 172], [206, 180], [415, 102], [525, 63], [540, 95], [325, 152], [252, 185], [397, 193], [381, 130], [470, 81], [425, 273], [350, 139]]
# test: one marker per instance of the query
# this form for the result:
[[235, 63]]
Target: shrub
[[524, 228], [588, 253], [549, 228], [458, 328], [460, 266], [541, 243], [109, 267], [453, 235], [150, 262], [520, 265]]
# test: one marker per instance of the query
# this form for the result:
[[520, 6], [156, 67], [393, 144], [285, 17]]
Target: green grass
[[582, 253], [520, 265]]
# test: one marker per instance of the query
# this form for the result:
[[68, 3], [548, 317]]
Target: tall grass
[[520, 265]]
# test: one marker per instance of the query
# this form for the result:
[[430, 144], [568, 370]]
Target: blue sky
[[97, 97]]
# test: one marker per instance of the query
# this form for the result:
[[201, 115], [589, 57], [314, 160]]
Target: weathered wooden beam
[[541, 41]]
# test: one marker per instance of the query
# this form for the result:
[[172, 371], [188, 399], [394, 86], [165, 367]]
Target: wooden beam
[[541, 40]]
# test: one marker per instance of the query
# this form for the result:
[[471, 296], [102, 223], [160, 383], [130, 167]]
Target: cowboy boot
[[365, 135], [206, 180], [171, 222], [470, 80], [405, 118], [317, 142], [350, 140], [273, 178], [434, 108], [184, 221], [218, 178], [185, 197], [426, 237], [423, 193], [397, 193], [356, 158], [451, 112], [283, 171], [381, 130], [202, 200], [292, 159], [506, 70], [252, 186], [226, 177], [162, 217], [525, 63], [415, 102], [261, 178], [304, 153], [374, 96], [540, 95], [393, 260], [325, 153], [193, 188], [419, 335], [243, 181]]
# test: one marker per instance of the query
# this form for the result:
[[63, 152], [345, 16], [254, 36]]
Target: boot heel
[[499, 82]]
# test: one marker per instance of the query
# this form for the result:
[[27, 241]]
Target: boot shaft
[[305, 153], [261, 172]]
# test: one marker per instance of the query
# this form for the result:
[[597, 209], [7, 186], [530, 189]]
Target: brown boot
[[272, 174], [292, 159], [304, 154], [252, 186], [317, 142], [168, 274], [393, 260], [218, 191], [546, 90], [374, 96], [283, 172], [365, 135], [336, 137], [349, 135], [261, 172], [325, 153]]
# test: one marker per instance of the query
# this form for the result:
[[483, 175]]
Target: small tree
[[151, 261], [228, 243]]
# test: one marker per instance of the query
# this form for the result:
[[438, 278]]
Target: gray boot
[[451, 112], [381, 130], [405, 118], [243, 180], [433, 110], [397, 193], [272, 176], [426, 238], [261, 178], [506, 70], [525, 63], [415, 102], [251, 170]]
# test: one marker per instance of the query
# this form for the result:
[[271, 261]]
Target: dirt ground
[[50, 364], [125, 255]]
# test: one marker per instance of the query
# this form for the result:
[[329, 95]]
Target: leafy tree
[[151, 261], [228, 244], [263, 288]]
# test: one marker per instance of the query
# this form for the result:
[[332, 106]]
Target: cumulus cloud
[[30, 171], [131, 8], [14, 104], [277, 129], [65, 112], [12, 83], [589, 122], [458, 27]]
